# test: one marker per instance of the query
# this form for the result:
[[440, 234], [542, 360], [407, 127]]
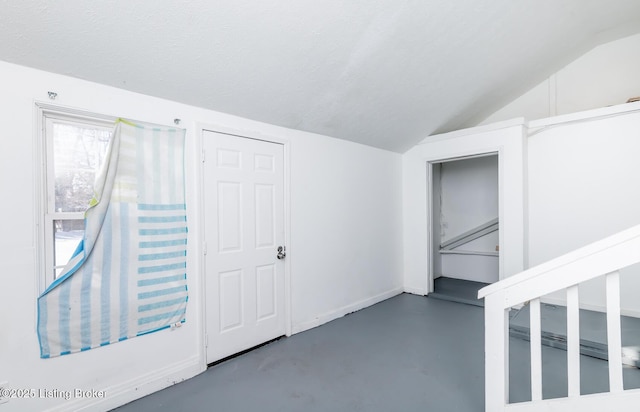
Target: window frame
[[46, 215]]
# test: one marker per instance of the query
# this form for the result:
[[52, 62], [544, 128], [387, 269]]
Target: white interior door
[[244, 226]]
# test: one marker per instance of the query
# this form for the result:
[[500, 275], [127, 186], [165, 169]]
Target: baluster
[[614, 337], [535, 341], [573, 341]]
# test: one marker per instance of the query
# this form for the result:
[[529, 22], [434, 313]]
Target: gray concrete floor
[[408, 353]]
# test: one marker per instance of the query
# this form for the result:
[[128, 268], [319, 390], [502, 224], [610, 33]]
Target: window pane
[[67, 235], [78, 153]]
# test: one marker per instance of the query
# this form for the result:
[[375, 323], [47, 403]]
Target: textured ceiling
[[385, 73]]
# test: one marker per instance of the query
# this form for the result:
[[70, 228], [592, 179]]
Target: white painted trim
[[496, 350], [415, 291], [340, 312], [258, 135], [510, 145], [431, 245], [62, 110], [525, 199], [128, 391], [200, 246], [39, 201], [614, 334], [535, 343], [288, 303], [573, 341], [42, 111], [536, 126]]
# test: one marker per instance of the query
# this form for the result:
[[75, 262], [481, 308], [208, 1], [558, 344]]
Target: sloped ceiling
[[386, 73]]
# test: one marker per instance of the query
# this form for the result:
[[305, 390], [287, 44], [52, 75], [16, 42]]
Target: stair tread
[[457, 290]]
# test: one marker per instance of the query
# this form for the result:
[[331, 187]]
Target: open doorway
[[464, 226]]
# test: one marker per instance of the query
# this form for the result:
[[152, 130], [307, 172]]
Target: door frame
[[245, 134], [508, 141]]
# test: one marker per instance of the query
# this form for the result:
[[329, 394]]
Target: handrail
[[468, 252], [470, 235], [603, 249]]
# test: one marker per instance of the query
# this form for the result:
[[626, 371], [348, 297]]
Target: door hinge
[[202, 155], [204, 248], [206, 341]]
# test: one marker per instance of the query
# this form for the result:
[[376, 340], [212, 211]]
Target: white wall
[[345, 245], [346, 228], [469, 191], [605, 76], [582, 187], [579, 187]]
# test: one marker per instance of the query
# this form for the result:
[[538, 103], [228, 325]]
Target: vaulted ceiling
[[386, 73]]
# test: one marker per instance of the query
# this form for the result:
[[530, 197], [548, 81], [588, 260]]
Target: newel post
[[496, 349]]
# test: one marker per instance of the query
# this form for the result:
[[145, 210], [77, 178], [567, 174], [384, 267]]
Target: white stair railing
[[603, 258]]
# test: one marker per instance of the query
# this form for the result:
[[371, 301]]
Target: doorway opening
[[465, 227]]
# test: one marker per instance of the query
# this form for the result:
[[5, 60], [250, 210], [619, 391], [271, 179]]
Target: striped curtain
[[128, 275]]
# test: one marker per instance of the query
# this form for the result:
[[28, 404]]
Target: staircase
[[604, 258]]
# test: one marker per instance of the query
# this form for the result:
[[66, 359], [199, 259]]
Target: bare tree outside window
[[76, 154]]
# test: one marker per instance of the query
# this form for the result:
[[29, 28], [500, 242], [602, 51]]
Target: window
[[73, 149]]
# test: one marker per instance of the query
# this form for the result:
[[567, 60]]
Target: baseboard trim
[[125, 392], [340, 312], [415, 291]]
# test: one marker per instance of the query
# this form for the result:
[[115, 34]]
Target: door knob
[[282, 252]]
